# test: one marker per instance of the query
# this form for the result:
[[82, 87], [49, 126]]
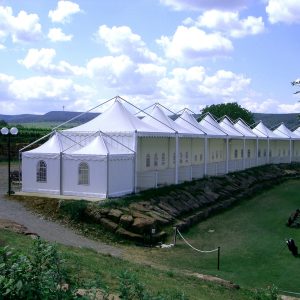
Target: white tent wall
[[236, 153], [296, 150], [216, 163], [121, 175], [262, 158], [29, 174], [283, 150], [155, 162], [185, 153], [97, 176], [197, 157], [250, 155]]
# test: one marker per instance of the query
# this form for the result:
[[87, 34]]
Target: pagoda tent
[[294, 143], [198, 154], [250, 153], [41, 167], [97, 170], [217, 147], [178, 150], [237, 145], [267, 144]]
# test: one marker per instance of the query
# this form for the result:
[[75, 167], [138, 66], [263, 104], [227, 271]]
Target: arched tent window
[[180, 158], [265, 153], [249, 153], [195, 157], [201, 157], [242, 153], [163, 159], [259, 153], [83, 174], [235, 153], [174, 158], [186, 157], [41, 171], [148, 161], [217, 154]]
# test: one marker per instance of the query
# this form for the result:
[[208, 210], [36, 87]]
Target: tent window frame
[[83, 174], [249, 153], [155, 161], [41, 171], [186, 157], [235, 153], [163, 158]]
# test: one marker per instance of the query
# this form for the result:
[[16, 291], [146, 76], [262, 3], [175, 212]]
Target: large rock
[[115, 214], [109, 225], [129, 235], [142, 225], [126, 220]]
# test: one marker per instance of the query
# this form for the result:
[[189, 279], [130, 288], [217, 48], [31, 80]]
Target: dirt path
[[48, 230]]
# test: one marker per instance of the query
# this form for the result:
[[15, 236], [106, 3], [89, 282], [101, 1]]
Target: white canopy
[[163, 123], [209, 123], [98, 146], [188, 122], [284, 132], [242, 127], [228, 127], [115, 119], [263, 131], [297, 131], [52, 146]]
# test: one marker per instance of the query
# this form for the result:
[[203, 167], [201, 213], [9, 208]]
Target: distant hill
[[270, 120]]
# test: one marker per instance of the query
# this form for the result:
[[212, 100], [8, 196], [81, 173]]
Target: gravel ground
[[48, 230]]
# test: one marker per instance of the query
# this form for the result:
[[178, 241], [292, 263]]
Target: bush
[[38, 275], [75, 209]]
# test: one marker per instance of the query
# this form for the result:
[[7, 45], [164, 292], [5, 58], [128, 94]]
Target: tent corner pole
[[176, 157]]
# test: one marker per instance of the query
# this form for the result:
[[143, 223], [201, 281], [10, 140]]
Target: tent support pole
[[176, 157], [244, 153], [291, 150], [257, 151], [60, 173], [135, 162], [227, 155], [205, 155], [268, 153], [107, 175]]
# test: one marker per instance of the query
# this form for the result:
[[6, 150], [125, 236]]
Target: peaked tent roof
[[98, 146], [264, 132], [242, 127], [211, 124], [163, 123], [227, 125], [115, 119], [297, 131], [52, 146], [283, 131], [187, 121]]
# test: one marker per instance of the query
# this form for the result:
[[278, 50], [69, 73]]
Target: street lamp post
[[9, 132]]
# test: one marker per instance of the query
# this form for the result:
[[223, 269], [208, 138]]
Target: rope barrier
[[198, 250], [287, 292]]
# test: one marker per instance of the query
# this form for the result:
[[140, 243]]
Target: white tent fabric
[[163, 123], [115, 119], [284, 132], [187, 121], [242, 127], [297, 131], [212, 125], [263, 131], [52, 146], [228, 127]]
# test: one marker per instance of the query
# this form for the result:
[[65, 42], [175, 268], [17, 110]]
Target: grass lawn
[[252, 240], [86, 265]]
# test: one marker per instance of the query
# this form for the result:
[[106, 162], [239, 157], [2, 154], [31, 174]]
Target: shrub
[[74, 209]]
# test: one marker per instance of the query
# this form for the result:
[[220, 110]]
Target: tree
[[233, 110], [3, 123]]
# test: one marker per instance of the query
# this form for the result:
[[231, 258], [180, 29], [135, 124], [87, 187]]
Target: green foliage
[[3, 123], [131, 289], [35, 276], [270, 293], [232, 110], [74, 209]]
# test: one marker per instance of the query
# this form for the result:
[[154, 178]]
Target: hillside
[[271, 120]]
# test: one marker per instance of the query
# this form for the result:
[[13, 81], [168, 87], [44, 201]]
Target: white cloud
[[22, 28], [190, 43], [41, 60], [57, 35], [124, 75], [206, 4], [121, 40], [230, 23], [194, 85], [260, 105], [63, 12], [285, 11], [289, 108]]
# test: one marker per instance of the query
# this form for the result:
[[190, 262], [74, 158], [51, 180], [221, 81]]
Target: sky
[[73, 55]]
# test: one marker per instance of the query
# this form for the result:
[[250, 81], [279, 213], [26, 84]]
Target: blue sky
[[182, 53]]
